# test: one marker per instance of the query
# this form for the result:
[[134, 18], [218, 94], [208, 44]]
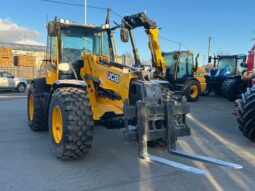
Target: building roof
[[26, 47]]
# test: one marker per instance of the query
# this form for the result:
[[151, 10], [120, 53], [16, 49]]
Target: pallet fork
[[148, 115]]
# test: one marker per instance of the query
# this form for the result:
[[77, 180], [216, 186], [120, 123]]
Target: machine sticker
[[113, 77], [198, 74]]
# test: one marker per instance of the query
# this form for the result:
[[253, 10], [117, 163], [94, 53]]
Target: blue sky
[[229, 22]]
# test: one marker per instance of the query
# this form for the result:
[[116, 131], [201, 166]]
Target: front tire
[[231, 90], [70, 123], [224, 88], [193, 90], [246, 113]]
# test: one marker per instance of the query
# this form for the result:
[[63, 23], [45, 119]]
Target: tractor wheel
[[231, 90], [246, 113], [193, 90], [223, 88], [70, 123], [37, 117]]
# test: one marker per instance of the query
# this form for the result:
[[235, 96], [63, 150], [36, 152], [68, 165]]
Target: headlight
[[64, 67]]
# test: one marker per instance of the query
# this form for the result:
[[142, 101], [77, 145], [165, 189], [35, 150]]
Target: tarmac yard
[[27, 163]]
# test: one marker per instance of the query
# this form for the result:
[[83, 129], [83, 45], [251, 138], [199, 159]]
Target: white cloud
[[10, 32]]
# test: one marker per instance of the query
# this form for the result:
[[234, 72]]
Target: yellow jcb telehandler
[[184, 74], [83, 83]]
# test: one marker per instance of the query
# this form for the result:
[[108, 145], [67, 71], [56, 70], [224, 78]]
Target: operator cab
[[228, 65], [180, 65], [67, 41]]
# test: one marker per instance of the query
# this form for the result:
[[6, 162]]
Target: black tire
[[21, 87], [231, 90], [39, 122], [189, 91], [224, 88], [77, 117], [246, 113]]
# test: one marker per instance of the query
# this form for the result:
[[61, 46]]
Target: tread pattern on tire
[[78, 123], [40, 120], [231, 90], [224, 88], [246, 113]]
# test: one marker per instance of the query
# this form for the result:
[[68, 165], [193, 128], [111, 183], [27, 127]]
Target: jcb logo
[[198, 74], [113, 77]]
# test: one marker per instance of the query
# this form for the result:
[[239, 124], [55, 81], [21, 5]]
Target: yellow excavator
[[83, 83], [184, 74]]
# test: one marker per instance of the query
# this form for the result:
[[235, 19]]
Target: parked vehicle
[[237, 84], [9, 82], [225, 67], [184, 74]]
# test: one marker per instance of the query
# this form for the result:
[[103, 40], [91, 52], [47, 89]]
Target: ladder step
[[205, 159], [153, 158]]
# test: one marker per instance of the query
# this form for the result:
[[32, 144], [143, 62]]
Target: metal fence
[[21, 71]]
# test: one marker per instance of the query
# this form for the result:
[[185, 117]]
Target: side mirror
[[209, 59], [52, 29], [124, 35]]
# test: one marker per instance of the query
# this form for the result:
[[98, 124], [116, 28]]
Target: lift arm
[[141, 20]]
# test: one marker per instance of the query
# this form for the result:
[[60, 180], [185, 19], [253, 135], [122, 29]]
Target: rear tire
[[76, 128], [246, 114], [37, 117], [193, 90], [231, 90]]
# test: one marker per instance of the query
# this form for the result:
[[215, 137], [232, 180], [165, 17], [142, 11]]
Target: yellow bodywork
[[199, 74], [156, 51], [102, 104]]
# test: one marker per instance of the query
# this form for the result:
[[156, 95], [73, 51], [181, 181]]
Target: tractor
[[83, 83], [236, 85], [225, 67], [185, 75]]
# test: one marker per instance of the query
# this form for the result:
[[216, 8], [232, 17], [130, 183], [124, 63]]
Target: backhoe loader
[[83, 83], [184, 74]]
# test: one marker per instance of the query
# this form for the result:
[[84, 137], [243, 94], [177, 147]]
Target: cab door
[[3, 82], [8, 80]]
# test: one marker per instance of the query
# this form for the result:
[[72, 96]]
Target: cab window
[[51, 49], [7, 75]]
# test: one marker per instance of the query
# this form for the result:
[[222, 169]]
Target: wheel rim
[[194, 91], [31, 107], [57, 124]]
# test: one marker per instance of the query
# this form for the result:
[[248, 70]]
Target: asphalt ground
[[27, 162]]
